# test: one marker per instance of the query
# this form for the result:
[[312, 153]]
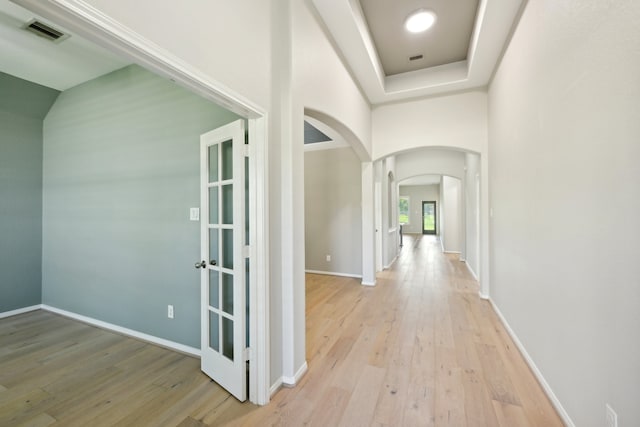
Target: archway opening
[[333, 212], [448, 177]]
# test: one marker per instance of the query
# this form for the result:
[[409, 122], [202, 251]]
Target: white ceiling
[[347, 25], [445, 43], [73, 61], [58, 65]]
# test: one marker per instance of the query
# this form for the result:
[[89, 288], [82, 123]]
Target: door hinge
[[248, 354], [245, 150], [246, 251]]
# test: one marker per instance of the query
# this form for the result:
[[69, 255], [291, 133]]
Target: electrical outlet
[[328, 258], [170, 311], [612, 417], [194, 214]]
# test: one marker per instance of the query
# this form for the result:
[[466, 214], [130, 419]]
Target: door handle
[[201, 264]]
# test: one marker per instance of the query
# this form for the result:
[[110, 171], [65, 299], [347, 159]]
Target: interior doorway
[[429, 217], [96, 27]]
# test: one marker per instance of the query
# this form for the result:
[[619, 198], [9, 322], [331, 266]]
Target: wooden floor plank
[[418, 349], [40, 420], [362, 402]]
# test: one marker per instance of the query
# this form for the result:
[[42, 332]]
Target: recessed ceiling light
[[419, 21]]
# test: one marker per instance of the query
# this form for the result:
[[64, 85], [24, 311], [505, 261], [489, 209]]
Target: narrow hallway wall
[[564, 131]]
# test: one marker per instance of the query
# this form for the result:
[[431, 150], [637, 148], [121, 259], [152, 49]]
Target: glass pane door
[[429, 218], [223, 201], [220, 224]]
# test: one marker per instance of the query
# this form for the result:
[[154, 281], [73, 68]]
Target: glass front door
[[429, 218]]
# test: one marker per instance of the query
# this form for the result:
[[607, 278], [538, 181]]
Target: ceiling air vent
[[415, 57], [43, 30]]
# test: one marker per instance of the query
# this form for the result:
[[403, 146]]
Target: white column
[[289, 117], [485, 221], [368, 226]]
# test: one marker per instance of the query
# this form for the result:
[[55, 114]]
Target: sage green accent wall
[[24, 98], [22, 106], [121, 170]]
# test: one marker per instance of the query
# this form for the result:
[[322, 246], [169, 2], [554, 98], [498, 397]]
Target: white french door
[[224, 264]]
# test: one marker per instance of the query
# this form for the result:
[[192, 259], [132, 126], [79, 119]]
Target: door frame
[[435, 217], [79, 17]]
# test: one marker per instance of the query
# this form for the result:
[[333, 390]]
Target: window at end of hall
[[403, 210]]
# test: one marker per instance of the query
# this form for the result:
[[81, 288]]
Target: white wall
[[564, 149], [455, 121], [429, 161], [472, 212], [325, 86], [451, 214], [333, 218], [418, 194], [212, 36]]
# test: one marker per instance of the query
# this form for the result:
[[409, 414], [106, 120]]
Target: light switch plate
[[194, 214]]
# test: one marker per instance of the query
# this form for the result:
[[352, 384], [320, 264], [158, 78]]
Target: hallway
[[419, 349]]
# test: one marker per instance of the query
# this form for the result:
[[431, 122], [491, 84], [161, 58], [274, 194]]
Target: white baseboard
[[275, 387], [333, 273], [20, 311], [545, 385], [475, 276], [368, 283], [451, 252], [292, 381], [473, 273], [191, 351], [386, 267]]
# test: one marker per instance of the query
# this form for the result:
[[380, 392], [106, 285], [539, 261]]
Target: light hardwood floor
[[419, 349]]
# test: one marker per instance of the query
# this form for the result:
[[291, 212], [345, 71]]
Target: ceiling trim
[[346, 24]]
